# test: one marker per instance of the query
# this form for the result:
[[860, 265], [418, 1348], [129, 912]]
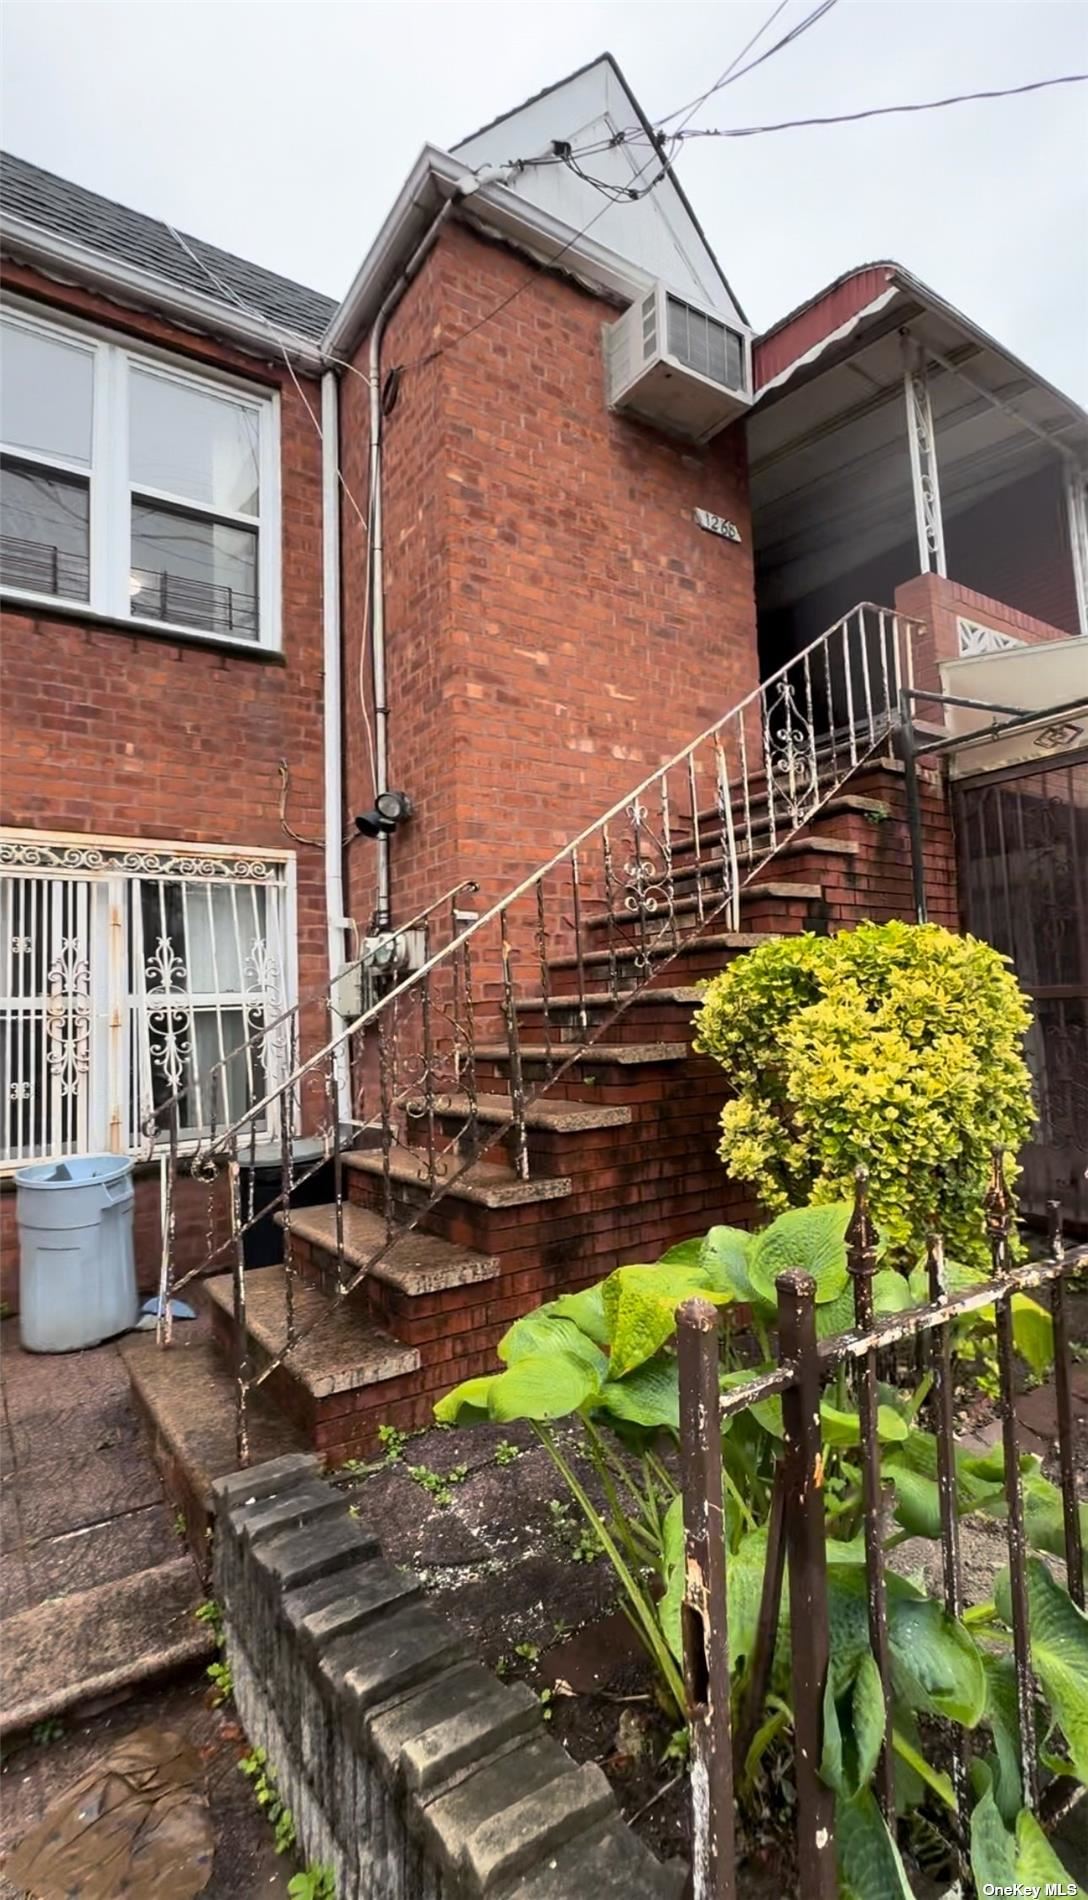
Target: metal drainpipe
[[383, 913]]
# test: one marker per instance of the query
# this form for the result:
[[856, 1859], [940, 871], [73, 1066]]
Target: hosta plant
[[895, 1045], [604, 1360]]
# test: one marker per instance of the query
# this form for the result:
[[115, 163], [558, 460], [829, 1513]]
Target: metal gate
[[1022, 844]]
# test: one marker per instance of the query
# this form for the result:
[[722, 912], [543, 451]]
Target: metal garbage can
[[77, 1275]]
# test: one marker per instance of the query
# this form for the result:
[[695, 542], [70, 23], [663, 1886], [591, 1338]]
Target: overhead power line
[[881, 112], [632, 134], [736, 70], [628, 194]]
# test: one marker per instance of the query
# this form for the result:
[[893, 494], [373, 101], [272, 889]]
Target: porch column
[[1076, 494], [923, 459]]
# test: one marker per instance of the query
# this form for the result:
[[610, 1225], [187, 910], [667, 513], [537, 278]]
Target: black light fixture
[[390, 808]]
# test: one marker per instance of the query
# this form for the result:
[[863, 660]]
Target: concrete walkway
[[97, 1588]]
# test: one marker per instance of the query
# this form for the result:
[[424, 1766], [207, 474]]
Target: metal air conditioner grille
[[704, 345]]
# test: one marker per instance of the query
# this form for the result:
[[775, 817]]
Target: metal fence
[[797, 1537]]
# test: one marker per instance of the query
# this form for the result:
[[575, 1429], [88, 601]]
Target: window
[[129, 977], [46, 405], [135, 487]]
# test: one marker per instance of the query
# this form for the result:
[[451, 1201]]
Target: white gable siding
[[656, 234]]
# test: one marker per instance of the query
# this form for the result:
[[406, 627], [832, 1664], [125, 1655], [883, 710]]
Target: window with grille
[[135, 486], [131, 979]]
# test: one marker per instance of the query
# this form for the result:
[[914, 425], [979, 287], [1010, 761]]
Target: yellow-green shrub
[[897, 1046]]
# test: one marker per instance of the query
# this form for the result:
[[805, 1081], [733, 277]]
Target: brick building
[[269, 560]]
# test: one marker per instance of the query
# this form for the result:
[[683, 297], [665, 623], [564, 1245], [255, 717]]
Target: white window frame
[[111, 486], [97, 1046]]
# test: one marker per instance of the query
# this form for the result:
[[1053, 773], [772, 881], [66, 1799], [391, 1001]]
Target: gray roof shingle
[[69, 211]]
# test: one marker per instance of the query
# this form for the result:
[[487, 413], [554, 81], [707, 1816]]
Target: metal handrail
[[773, 760], [562, 856], [166, 1111]]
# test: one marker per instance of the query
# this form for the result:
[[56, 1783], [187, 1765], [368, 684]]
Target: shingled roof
[[112, 230]]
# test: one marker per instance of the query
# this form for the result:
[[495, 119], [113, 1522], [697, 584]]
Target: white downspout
[[382, 912], [336, 921]]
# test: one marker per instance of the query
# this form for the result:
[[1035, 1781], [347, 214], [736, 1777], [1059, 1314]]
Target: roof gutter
[[436, 178], [78, 263]]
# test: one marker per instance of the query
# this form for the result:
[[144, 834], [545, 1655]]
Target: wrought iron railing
[[612, 907], [797, 1556]]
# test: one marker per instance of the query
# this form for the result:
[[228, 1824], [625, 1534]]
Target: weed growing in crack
[[268, 1798]]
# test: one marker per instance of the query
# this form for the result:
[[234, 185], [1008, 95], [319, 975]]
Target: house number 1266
[[717, 524]]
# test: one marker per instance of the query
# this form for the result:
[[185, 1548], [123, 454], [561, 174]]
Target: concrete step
[[628, 1055], [842, 804], [803, 855], [683, 995], [770, 893], [185, 1394], [549, 1117], [342, 1351], [100, 1643], [415, 1265], [484, 1184]]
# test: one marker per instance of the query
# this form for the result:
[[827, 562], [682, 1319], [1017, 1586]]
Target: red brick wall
[[939, 603], [142, 736], [557, 623]]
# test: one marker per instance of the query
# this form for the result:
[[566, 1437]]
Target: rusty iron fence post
[[1074, 1543], [998, 1207], [704, 1611], [861, 1239], [945, 1432], [805, 1534]]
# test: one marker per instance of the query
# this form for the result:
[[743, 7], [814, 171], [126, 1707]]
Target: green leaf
[[936, 1663], [809, 1238], [1037, 1865], [917, 1500], [640, 1305], [1033, 1333], [832, 1768], [586, 1309], [929, 1776], [541, 1386], [993, 1851], [867, 1707], [1044, 1517], [891, 1293], [724, 1254], [837, 1315], [1001, 1715], [869, 1861], [686, 1253], [467, 1403], [1059, 1654], [649, 1396], [672, 1555], [546, 1331], [844, 1428]]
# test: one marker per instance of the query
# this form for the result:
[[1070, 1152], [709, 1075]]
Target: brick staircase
[[620, 1161]]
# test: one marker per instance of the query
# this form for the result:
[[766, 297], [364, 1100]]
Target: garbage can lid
[[74, 1171]]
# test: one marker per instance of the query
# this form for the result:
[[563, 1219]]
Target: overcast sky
[[283, 131]]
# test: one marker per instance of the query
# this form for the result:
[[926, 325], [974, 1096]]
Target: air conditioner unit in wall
[[678, 366]]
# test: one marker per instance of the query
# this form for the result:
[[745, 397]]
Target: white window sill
[[11, 597]]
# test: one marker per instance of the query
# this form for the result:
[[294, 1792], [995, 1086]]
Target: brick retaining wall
[[409, 1769]]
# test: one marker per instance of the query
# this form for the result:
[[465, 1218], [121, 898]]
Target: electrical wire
[[880, 112], [547, 263], [731, 72], [278, 336], [364, 520], [632, 134]]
